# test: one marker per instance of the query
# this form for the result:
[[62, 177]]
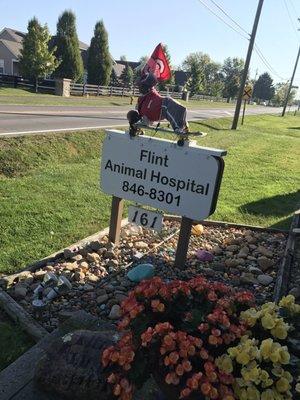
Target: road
[[16, 120]]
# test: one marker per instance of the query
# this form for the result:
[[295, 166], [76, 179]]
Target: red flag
[[158, 64]]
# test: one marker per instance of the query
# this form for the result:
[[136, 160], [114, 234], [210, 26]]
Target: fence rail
[[79, 89]]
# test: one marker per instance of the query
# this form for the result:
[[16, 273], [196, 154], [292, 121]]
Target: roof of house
[[17, 36], [13, 47]]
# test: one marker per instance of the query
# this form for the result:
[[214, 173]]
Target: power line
[[228, 16], [291, 19], [223, 20], [266, 62]]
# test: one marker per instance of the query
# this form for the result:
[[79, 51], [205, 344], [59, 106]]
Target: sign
[[145, 218], [248, 90], [160, 174]]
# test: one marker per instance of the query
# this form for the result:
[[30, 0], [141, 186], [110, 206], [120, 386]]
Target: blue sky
[[135, 27]]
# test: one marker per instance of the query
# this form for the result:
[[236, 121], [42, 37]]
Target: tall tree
[[263, 87], [68, 52], [198, 66], [99, 60], [114, 80], [281, 90], [232, 72], [36, 59], [127, 75], [123, 58]]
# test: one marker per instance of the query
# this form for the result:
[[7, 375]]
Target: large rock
[[265, 263], [140, 272], [72, 367]]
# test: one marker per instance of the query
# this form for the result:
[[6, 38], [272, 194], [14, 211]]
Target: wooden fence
[[44, 85]]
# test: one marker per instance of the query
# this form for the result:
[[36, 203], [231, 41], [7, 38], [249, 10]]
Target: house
[[10, 51]]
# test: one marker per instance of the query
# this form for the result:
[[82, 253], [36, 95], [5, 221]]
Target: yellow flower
[[268, 321], [297, 388], [266, 348], [287, 301], [243, 358], [284, 355], [267, 395], [250, 316], [224, 363], [282, 385], [277, 371], [253, 393], [280, 330], [287, 376]]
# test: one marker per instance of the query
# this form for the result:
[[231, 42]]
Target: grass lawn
[[25, 97], [49, 184]]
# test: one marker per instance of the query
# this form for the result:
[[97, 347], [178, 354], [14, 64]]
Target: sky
[[186, 26]]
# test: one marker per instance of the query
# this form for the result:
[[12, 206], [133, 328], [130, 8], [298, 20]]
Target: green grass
[[25, 97], [13, 342], [49, 185]]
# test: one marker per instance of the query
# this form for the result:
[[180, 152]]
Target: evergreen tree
[[263, 87], [194, 81], [127, 76], [36, 59], [114, 81], [99, 59], [232, 72], [68, 52]]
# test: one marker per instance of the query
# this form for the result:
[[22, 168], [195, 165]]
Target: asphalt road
[[18, 120]]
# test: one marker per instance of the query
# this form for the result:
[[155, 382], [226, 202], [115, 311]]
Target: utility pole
[[291, 84], [246, 67]]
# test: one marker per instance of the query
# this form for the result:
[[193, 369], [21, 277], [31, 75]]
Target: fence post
[[123, 92], [110, 92], [83, 89], [98, 90]]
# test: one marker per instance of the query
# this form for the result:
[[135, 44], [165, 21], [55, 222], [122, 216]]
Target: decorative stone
[[295, 292], [232, 247], [265, 279], [102, 298], [93, 257], [231, 262], [217, 250], [68, 254], [140, 272], [265, 263], [204, 255], [265, 252], [247, 277], [115, 312], [141, 245], [88, 288], [79, 276], [20, 291], [197, 230], [39, 275]]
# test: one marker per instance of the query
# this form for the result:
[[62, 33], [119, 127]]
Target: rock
[[250, 239], [95, 245], [77, 257], [243, 253], [109, 254], [88, 288], [197, 230], [255, 270], [232, 247], [265, 252], [115, 312], [93, 257], [68, 254], [140, 245], [39, 275], [295, 292], [71, 367], [231, 262], [71, 266], [247, 277], [102, 298], [265, 279], [204, 255], [112, 264], [20, 291], [219, 267], [217, 250], [140, 272], [92, 278], [79, 276], [120, 297], [265, 263]]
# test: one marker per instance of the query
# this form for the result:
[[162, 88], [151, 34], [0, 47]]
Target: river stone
[[204, 255], [265, 263], [265, 252], [20, 291], [115, 312], [141, 272], [71, 367], [265, 279], [140, 245], [295, 292], [102, 298]]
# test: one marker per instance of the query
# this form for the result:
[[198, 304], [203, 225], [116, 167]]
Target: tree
[[99, 60], [127, 75], [281, 90], [68, 52], [123, 58], [263, 87], [114, 80], [36, 59], [205, 75], [232, 72]]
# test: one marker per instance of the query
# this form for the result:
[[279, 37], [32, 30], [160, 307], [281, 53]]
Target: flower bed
[[205, 340]]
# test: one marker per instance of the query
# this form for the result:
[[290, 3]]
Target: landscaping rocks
[[102, 274]]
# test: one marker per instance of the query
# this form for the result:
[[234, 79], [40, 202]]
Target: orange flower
[[205, 388], [168, 341], [185, 393], [187, 366], [173, 357], [209, 366], [216, 332], [213, 394], [212, 376], [191, 350], [167, 361], [192, 383], [183, 353], [203, 354], [179, 370], [117, 390], [212, 340], [112, 378]]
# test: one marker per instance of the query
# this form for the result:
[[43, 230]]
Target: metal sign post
[[246, 96], [162, 175]]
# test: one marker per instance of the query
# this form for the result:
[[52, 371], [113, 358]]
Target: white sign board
[[159, 173], [145, 218]]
